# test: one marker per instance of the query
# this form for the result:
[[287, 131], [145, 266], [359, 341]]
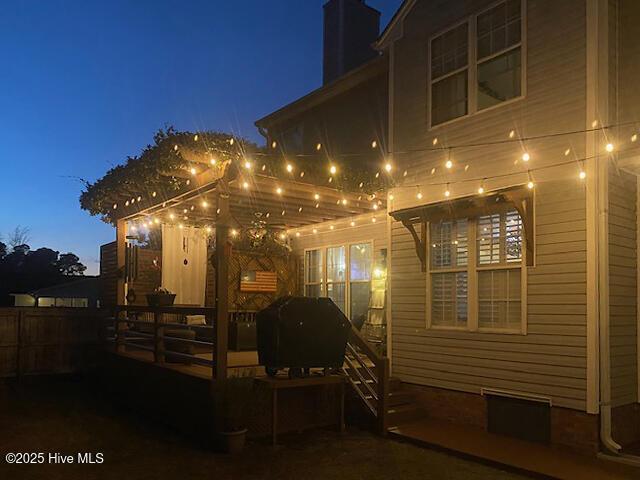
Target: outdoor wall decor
[[258, 281]]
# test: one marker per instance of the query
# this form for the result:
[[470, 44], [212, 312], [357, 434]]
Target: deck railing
[[159, 330], [368, 374]]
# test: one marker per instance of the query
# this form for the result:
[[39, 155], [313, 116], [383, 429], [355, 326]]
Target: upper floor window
[[450, 74], [477, 64]]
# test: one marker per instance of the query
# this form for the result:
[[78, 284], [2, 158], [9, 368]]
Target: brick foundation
[[572, 429]]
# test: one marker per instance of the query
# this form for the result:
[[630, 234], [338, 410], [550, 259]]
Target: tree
[[19, 236], [69, 264]]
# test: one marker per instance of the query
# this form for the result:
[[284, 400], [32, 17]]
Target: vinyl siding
[[550, 360], [623, 287]]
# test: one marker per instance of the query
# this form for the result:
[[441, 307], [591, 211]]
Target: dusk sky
[[86, 83]]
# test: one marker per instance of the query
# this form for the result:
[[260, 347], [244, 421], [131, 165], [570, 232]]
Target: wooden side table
[[274, 384]]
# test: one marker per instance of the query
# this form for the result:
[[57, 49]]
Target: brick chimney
[[350, 27]]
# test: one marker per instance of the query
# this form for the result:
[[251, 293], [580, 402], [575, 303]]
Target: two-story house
[[510, 236]]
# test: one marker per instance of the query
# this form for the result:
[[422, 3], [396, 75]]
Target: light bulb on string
[[634, 137], [333, 169], [481, 187], [353, 224], [289, 168], [447, 192], [205, 204], [279, 191], [448, 164], [388, 167], [247, 164], [609, 147], [274, 144], [530, 183], [316, 196], [582, 175], [526, 157], [213, 161], [193, 171], [245, 185], [419, 196], [318, 146], [374, 144]]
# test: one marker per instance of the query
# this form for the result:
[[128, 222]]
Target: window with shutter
[[477, 288]]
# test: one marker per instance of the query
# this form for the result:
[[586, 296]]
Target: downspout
[[603, 306]]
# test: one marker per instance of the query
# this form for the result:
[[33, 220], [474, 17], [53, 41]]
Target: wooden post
[[158, 335], [383, 395], [223, 250], [121, 247]]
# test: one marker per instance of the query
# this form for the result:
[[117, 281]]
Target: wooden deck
[[239, 363], [514, 453]]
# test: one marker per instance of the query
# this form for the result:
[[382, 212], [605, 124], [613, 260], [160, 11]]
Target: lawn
[[69, 416]]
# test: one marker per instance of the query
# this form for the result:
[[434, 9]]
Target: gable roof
[[343, 84], [396, 21]]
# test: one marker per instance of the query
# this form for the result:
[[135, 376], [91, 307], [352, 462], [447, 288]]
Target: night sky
[[86, 83]]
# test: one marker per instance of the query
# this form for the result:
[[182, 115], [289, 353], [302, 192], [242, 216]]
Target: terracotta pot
[[233, 442]]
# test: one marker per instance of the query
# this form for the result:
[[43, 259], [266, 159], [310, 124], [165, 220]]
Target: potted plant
[[232, 397], [161, 297]]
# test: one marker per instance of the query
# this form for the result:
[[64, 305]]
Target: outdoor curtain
[[184, 263]]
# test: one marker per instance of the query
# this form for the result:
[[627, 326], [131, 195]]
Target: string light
[[634, 137], [245, 185], [374, 144], [435, 141], [115, 206], [172, 216], [205, 204], [390, 197], [353, 224], [233, 232], [180, 226], [153, 194], [526, 157], [512, 134], [373, 219], [195, 137], [419, 196], [331, 227], [247, 165], [193, 171], [289, 168], [333, 169], [377, 174], [388, 167], [344, 201], [481, 188], [448, 164], [231, 141], [582, 175], [567, 152], [156, 221], [316, 196], [279, 191], [609, 148], [315, 230], [530, 183], [447, 193], [317, 205], [297, 234], [208, 229], [283, 236], [283, 212], [318, 146], [274, 144], [375, 206], [264, 167], [300, 209]]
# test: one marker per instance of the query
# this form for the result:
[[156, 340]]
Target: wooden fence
[[47, 340]]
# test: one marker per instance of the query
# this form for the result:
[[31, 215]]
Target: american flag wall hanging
[[258, 281]]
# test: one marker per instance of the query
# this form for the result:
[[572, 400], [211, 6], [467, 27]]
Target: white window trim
[[472, 66], [323, 288], [472, 285], [305, 269]]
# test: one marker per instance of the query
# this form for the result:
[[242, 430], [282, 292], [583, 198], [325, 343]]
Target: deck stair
[[383, 397]]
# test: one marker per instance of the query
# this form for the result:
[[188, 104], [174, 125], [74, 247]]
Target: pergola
[[230, 197]]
